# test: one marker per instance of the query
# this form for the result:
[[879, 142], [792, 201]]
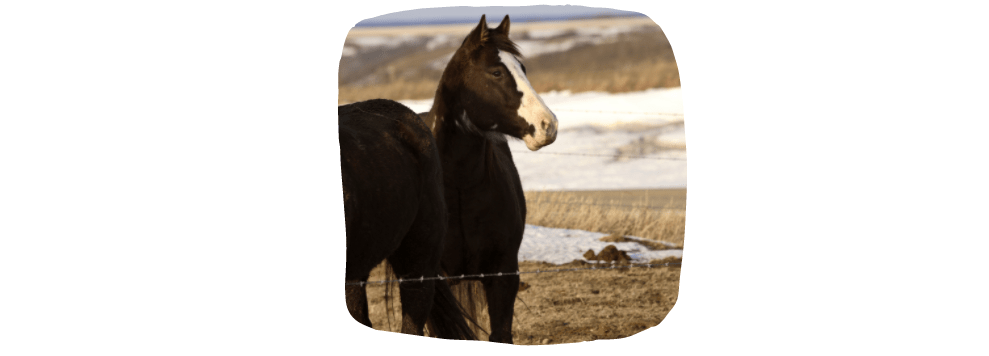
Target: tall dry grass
[[568, 210], [636, 61]]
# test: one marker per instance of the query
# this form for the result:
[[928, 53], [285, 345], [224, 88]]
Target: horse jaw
[[532, 109]]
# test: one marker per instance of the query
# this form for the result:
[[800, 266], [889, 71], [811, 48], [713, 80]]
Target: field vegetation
[[661, 218], [575, 306], [564, 307]]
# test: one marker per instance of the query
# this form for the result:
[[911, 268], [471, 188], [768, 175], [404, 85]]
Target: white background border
[[171, 185]]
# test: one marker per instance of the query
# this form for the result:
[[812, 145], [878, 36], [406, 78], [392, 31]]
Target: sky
[[471, 14]]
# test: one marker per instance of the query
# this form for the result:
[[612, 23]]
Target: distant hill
[[470, 15]]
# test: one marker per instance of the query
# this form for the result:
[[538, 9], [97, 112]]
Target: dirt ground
[[570, 306]]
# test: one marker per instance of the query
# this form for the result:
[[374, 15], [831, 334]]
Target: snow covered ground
[[582, 158], [560, 246], [585, 130]]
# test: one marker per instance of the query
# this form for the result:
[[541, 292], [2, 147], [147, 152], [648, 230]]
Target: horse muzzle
[[545, 132]]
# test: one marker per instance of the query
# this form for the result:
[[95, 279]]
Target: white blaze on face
[[533, 109]]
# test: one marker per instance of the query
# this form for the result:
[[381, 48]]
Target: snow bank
[[560, 246]]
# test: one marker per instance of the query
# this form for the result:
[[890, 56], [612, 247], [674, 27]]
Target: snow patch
[[582, 157], [440, 41], [366, 42], [605, 31], [546, 33], [559, 246]]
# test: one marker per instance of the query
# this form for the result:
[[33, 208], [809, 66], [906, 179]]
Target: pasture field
[[677, 197], [566, 307], [574, 306]]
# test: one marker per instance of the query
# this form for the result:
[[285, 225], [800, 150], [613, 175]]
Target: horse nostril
[[545, 125]]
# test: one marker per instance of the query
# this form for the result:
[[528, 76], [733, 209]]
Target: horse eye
[[496, 73]]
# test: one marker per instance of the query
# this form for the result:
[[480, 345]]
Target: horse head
[[486, 77]]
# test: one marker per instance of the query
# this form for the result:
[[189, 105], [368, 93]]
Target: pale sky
[[470, 14]]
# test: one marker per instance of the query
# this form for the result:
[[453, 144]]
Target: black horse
[[393, 202], [484, 95]]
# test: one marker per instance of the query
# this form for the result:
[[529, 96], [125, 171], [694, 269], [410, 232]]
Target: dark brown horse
[[484, 96], [394, 207]]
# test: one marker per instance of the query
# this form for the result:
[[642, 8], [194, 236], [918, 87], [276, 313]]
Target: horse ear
[[479, 35], [503, 27]]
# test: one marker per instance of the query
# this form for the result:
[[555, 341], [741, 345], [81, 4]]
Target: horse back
[[391, 175]]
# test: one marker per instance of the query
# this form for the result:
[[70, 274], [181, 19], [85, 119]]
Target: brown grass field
[[571, 306], [574, 306], [657, 214], [565, 307]]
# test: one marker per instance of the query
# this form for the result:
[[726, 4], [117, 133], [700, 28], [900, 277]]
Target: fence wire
[[615, 156], [517, 273], [623, 112], [538, 201]]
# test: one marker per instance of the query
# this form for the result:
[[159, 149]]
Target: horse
[[484, 97], [394, 209]]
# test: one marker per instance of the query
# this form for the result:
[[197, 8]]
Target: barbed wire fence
[[611, 266], [672, 114], [543, 201], [615, 156]]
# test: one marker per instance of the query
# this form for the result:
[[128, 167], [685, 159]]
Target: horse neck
[[464, 154]]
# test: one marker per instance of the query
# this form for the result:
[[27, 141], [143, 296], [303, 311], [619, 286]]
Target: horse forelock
[[502, 43], [492, 37]]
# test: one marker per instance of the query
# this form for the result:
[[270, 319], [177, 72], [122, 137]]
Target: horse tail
[[471, 296], [447, 319]]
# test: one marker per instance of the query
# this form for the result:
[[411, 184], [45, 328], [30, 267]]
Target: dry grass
[[398, 90], [570, 210], [565, 307], [636, 61]]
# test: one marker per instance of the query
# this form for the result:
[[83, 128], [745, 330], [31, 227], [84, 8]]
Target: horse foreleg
[[500, 293], [357, 303]]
